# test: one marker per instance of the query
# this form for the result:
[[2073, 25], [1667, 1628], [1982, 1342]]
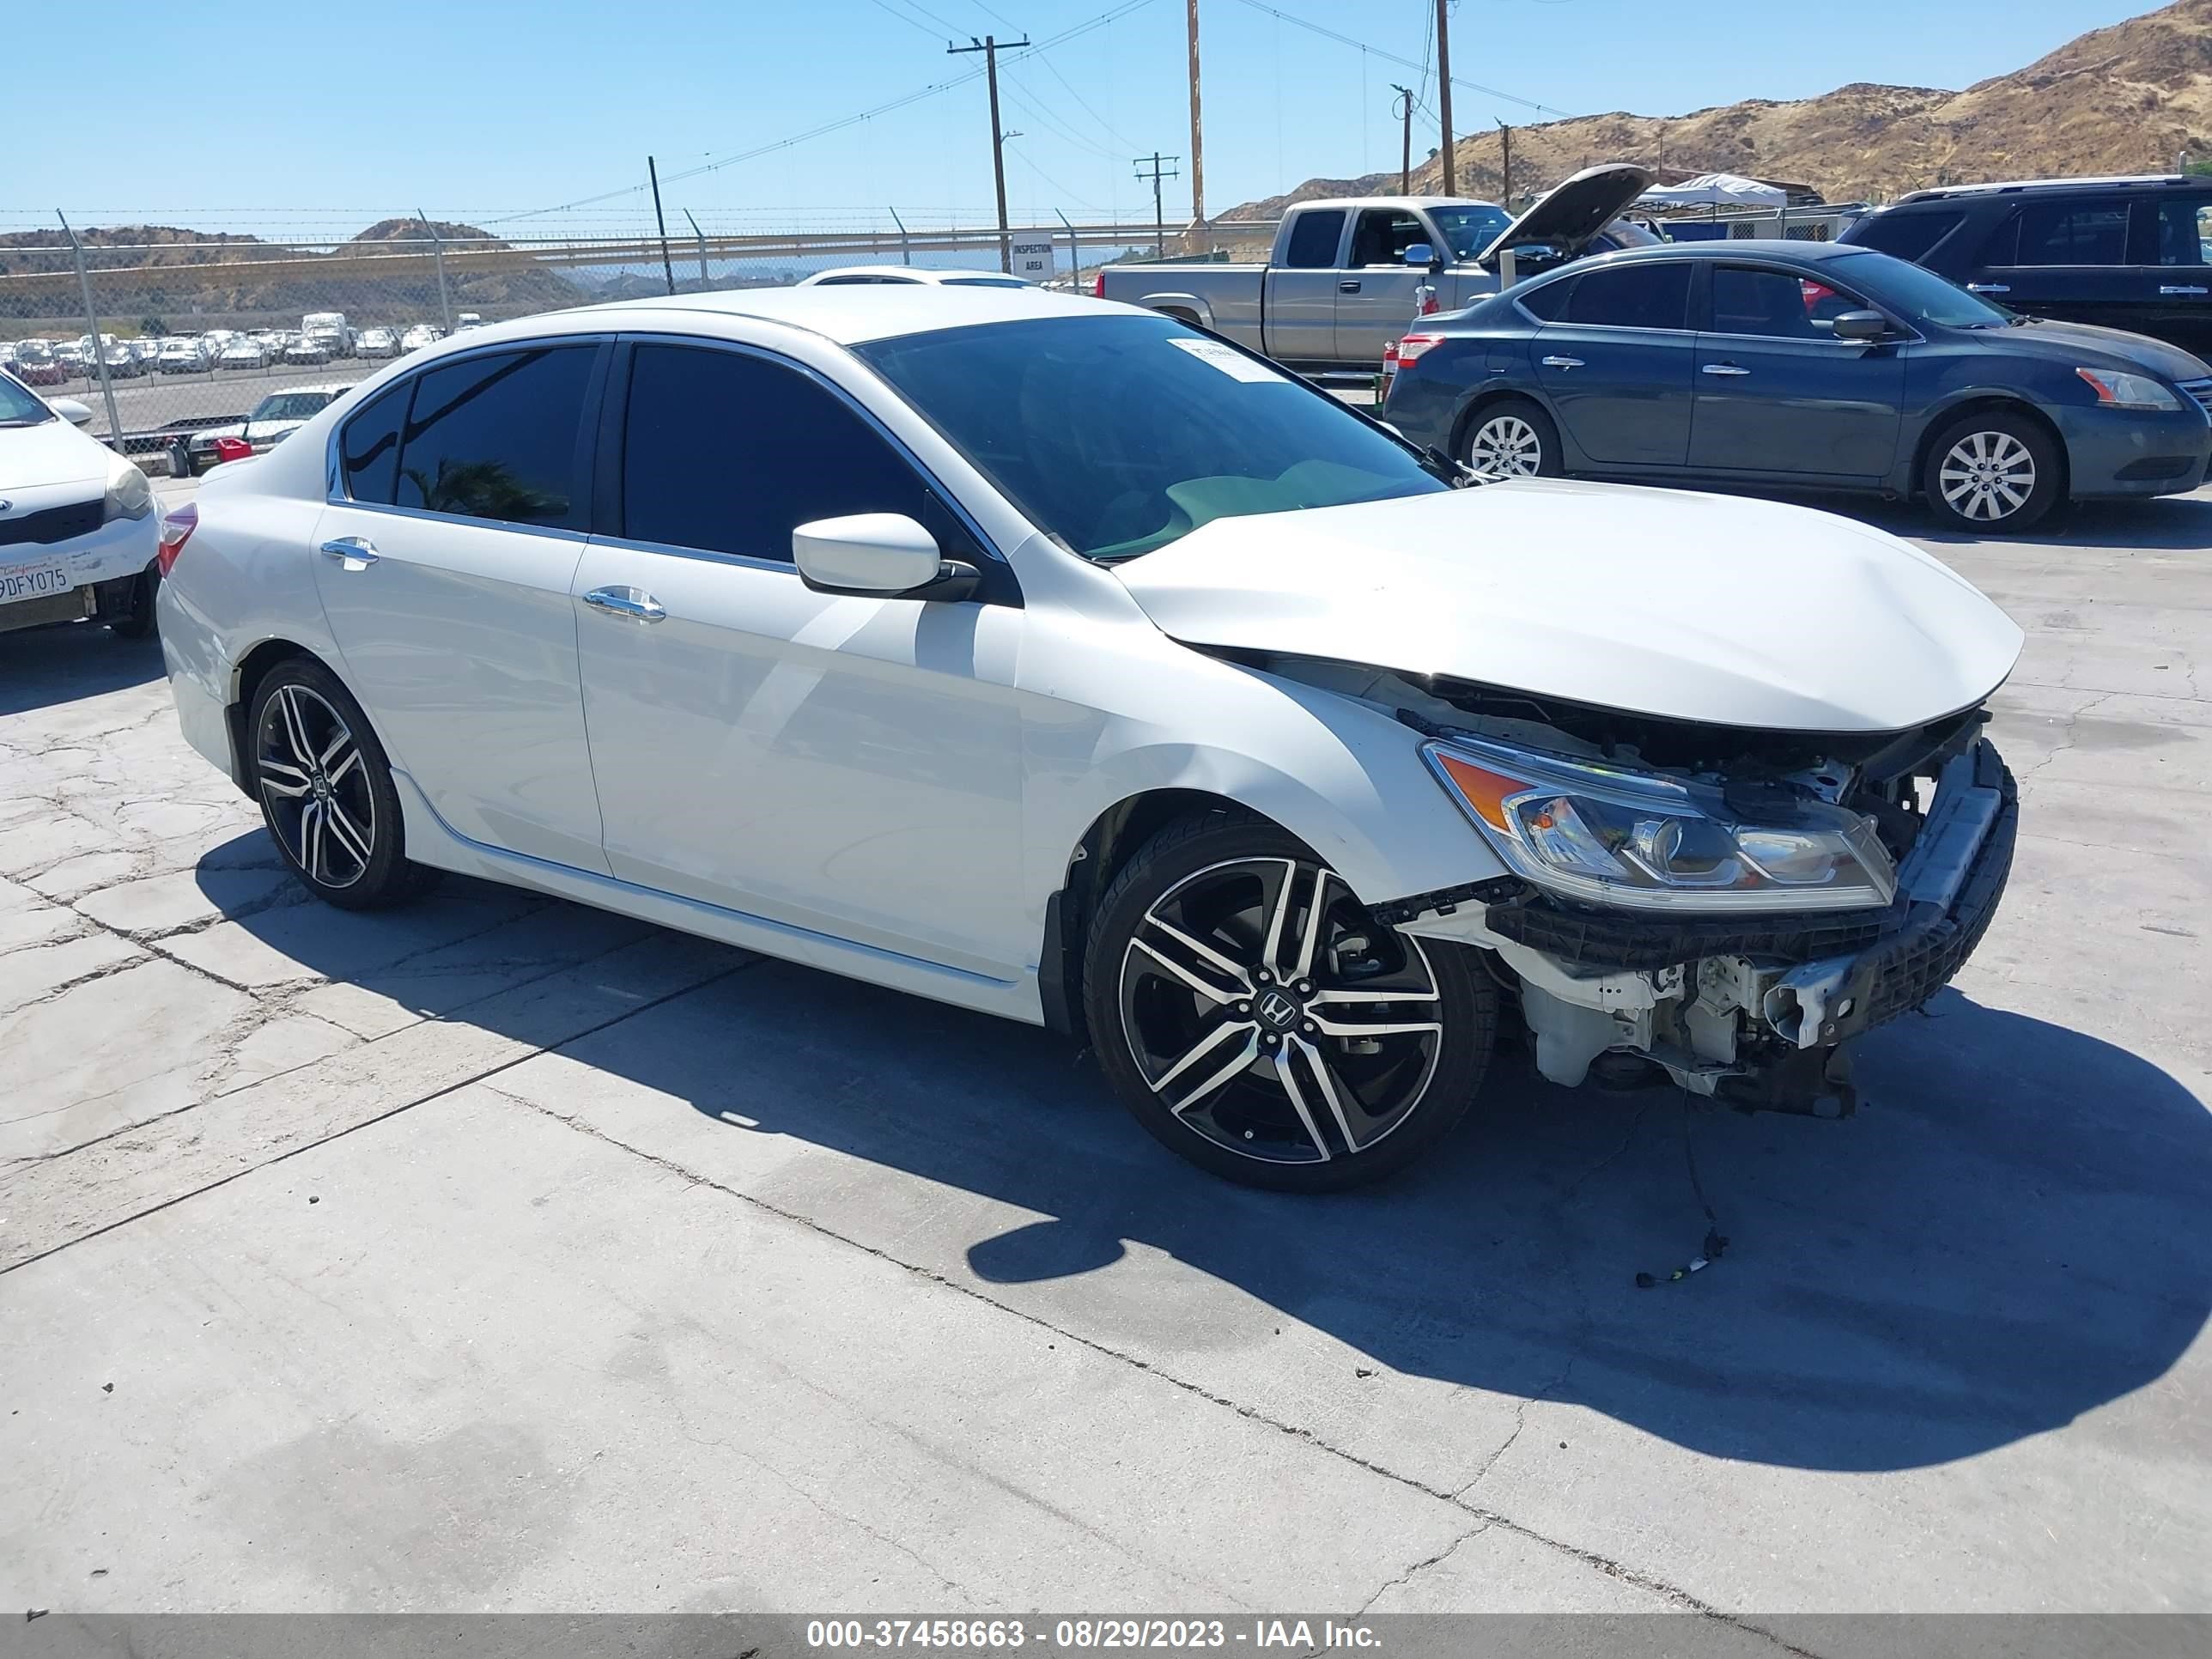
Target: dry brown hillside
[[2127, 99]]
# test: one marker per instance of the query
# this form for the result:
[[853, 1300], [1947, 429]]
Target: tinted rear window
[[495, 437], [1632, 297], [368, 449], [1314, 240], [1906, 236], [2063, 232], [1547, 301]]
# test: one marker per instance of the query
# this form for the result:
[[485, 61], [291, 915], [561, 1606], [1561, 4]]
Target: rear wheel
[[1511, 439], [1992, 472], [1255, 1019], [326, 792]]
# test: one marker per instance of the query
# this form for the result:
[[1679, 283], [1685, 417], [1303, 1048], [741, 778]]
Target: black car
[[2132, 254], [1803, 364]]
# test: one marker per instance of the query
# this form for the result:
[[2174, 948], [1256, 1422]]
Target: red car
[[41, 370]]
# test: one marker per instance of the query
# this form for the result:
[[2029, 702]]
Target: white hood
[[1659, 602], [51, 453]]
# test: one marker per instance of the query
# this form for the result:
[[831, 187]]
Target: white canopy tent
[[1715, 190]]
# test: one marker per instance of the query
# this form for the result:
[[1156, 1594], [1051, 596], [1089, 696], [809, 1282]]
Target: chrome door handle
[[1724, 368], [2183, 289], [632, 602], [1563, 362], [354, 552], [1988, 287]]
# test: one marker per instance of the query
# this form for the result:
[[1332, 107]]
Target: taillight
[[1411, 346], [1098, 285], [177, 526]]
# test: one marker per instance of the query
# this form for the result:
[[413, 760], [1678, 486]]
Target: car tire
[[137, 623], [1993, 472], [325, 786], [1512, 437], [1225, 940]]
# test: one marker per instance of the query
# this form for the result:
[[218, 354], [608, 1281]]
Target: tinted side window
[[1774, 303], [1314, 240], [368, 447], [1547, 301], [1383, 235], [1632, 297], [2073, 233], [2184, 231], [729, 453], [495, 437], [1907, 235]]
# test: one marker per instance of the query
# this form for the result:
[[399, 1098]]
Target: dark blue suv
[[1803, 364]]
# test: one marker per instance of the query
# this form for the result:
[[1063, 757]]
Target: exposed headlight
[[2117, 391], [129, 495], [1608, 837]]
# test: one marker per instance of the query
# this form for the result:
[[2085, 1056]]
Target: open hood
[[1656, 602], [1569, 214]]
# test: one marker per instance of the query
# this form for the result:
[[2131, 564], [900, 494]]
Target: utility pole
[[1505, 146], [1159, 218], [1444, 89], [1197, 138], [667, 270], [1405, 138], [989, 46]]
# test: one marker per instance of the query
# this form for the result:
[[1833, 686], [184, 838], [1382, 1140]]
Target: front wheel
[[1994, 472], [1511, 439], [1254, 1018], [326, 791]]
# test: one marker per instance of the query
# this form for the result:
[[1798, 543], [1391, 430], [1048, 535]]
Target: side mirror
[[1859, 325], [878, 556], [1421, 254], [70, 410]]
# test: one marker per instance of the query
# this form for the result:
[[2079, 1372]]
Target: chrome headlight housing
[[129, 495], [1606, 835], [2117, 391]]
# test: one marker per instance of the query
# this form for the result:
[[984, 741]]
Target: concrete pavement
[[497, 1254]]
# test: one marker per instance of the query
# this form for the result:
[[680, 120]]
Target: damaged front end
[[1724, 908]]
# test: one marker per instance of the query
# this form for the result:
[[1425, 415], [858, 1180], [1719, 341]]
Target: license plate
[[35, 580]]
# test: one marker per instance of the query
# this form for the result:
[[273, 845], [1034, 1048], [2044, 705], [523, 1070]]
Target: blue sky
[[346, 113]]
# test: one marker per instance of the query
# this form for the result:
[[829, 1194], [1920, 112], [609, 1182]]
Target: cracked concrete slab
[[42, 973]]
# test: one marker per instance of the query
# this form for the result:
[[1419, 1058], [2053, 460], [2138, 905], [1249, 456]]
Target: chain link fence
[[170, 336]]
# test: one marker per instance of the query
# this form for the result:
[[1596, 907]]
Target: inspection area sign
[[1034, 259]]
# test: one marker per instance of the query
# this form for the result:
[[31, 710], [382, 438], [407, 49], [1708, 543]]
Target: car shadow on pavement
[[42, 667], [2181, 524], [2009, 1235]]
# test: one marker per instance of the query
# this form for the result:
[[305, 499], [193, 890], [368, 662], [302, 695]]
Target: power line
[[1392, 57]]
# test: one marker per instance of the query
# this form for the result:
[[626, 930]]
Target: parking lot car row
[[323, 338]]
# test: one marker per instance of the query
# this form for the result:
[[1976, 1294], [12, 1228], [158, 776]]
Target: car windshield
[[983, 282], [1917, 293], [1117, 434], [18, 407], [290, 406], [1470, 229]]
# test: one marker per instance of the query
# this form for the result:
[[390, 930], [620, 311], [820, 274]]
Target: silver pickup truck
[[1342, 280]]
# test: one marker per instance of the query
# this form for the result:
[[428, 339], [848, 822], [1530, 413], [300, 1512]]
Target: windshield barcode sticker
[[1233, 363]]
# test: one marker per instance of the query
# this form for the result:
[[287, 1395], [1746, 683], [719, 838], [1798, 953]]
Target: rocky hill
[[2127, 99]]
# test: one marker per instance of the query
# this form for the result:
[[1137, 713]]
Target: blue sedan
[[1805, 365]]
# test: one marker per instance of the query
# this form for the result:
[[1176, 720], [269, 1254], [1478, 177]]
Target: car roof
[[888, 276], [2132, 180], [1733, 247], [848, 315], [330, 387]]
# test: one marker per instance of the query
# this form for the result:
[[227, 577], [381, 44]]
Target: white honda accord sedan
[[1048, 657]]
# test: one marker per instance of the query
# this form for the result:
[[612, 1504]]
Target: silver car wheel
[[1505, 446], [314, 785], [1272, 1018], [1987, 476]]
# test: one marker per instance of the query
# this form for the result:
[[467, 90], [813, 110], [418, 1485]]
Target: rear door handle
[[1988, 287], [632, 602], [1563, 362], [2182, 290], [354, 552], [1348, 288], [1725, 368]]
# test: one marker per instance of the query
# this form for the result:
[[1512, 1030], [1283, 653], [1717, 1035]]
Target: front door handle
[[1563, 362], [1348, 288], [353, 552], [1725, 368], [1988, 287], [632, 602], [2183, 288]]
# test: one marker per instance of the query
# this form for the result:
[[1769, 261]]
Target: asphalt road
[[497, 1254]]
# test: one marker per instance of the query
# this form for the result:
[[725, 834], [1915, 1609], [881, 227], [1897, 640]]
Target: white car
[[1215, 725], [274, 419], [420, 335], [911, 275], [180, 358], [77, 533], [241, 353], [377, 343]]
